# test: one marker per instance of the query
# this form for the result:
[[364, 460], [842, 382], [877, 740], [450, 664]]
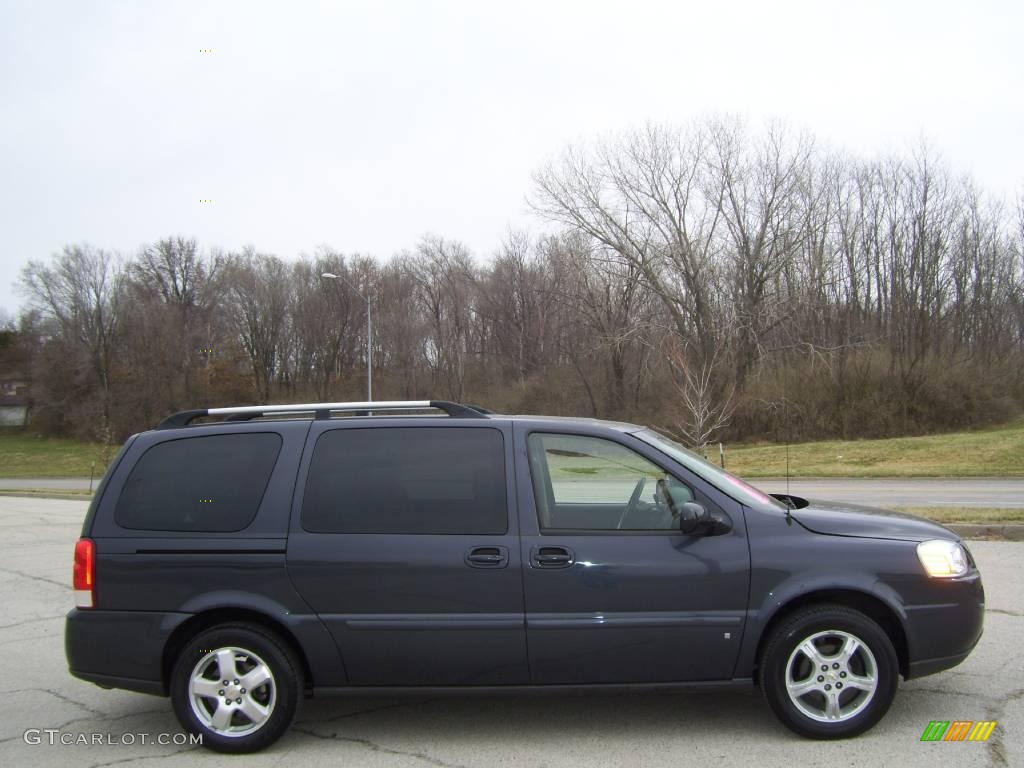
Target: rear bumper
[[154, 687], [119, 649], [931, 666]]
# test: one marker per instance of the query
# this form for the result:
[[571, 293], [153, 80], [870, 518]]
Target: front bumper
[[942, 634]]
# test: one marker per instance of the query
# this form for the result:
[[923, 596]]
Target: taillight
[[85, 573]]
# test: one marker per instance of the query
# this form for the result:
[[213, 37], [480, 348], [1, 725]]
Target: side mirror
[[692, 516]]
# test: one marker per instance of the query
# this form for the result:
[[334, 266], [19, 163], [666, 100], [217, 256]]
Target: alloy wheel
[[232, 691], [831, 676]]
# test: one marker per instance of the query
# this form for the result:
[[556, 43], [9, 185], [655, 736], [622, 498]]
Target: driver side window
[[588, 483]]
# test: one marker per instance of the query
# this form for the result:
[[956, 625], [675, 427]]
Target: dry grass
[[23, 454], [997, 452]]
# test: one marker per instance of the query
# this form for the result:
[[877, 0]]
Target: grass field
[[25, 455], [997, 452]]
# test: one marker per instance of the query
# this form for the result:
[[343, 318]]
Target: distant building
[[13, 400]]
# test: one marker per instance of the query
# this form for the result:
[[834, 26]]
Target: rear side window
[[426, 480], [201, 484]]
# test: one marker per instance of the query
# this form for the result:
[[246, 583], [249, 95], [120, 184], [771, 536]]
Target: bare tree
[[757, 188], [175, 289], [81, 294], [443, 273], [706, 403], [324, 323], [258, 293], [642, 198], [605, 298]]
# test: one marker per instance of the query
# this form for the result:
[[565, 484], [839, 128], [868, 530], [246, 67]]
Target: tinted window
[[199, 484], [407, 480], [595, 484]]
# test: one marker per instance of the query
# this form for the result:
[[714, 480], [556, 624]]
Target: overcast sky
[[365, 125]]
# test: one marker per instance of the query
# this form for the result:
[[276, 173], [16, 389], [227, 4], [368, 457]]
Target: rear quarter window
[[212, 483], [417, 480]]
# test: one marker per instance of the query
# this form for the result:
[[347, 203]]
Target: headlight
[[942, 558]]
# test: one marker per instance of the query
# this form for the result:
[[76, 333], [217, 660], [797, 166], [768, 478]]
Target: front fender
[[830, 587], [790, 564], [798, 587]]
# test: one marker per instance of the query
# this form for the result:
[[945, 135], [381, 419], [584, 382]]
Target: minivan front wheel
[[829, 672], [237, 686]]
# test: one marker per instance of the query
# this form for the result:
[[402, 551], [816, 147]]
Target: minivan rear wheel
[[829, 672], [238, 686]]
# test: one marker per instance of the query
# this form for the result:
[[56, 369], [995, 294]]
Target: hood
[[839, 519]]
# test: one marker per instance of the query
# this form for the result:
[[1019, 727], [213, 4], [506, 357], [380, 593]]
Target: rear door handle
[[487, 557], [552, 557]]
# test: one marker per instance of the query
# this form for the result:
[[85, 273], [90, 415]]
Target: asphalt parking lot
[[665, 729]]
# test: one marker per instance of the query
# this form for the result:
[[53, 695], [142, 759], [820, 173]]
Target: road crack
[[31, 621], [57, 695], [31, 577], [996, 747], [946, 692], [375, 747], [143, 757], [372, 710]]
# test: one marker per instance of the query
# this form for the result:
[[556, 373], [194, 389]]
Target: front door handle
[[552, 557], [487, 557]]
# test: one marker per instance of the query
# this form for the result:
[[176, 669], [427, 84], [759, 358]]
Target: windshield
[[743, 492]]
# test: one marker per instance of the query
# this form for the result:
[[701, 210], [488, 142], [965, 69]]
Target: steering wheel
[[633, 499]]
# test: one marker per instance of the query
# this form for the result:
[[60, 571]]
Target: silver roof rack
[[322, 410]]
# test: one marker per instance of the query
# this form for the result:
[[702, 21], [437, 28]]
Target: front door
[[402, 542], [614, 592]]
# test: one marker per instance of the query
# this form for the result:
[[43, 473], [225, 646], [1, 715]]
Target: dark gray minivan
[[268, 553]]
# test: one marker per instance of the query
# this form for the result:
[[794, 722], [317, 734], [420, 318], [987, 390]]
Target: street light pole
[[369, 331]]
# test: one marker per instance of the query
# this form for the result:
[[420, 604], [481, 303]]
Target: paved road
[[922, 492], [36, 541]]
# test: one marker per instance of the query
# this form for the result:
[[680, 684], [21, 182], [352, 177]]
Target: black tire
[[864, 711], [282, 692]]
